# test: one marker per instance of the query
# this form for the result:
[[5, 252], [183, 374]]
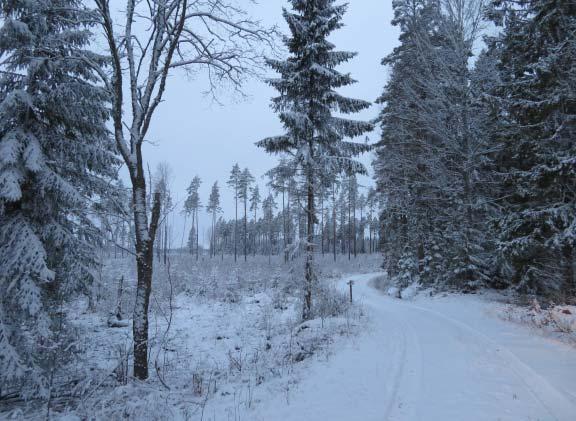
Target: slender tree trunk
[[254, 233], [197, 237], [284, 233], [361, 231], [184, 231], [289, 222], [569, 276], [334, 221], [165, 248], [349, 228], [322, 222], [159, 244], [269, 247], [213, 252], [354, 230], [145, 237], [236, 229], [245, 228], [370, 234], [309, 266]]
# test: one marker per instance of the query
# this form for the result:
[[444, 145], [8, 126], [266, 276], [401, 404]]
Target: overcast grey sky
[[197, 136]]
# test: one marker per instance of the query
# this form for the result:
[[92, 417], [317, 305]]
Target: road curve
[[416, 363]]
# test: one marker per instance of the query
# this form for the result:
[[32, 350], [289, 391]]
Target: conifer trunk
[[309, 267], [285, 233], [236, 229], [245, 229], [334, 221], [197, 237]]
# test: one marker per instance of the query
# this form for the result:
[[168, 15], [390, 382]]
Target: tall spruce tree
[[314, 136], [430, 157], [537, 52], [55, 155], [407, 163]]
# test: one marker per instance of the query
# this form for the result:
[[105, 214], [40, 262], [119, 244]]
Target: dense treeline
[[476, 164], [273, 225], [276, 225]]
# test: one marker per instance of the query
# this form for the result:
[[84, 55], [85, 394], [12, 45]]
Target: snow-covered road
[[443, 359]]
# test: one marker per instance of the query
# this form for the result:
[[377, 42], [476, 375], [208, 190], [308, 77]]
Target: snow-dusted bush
[[329, 302]]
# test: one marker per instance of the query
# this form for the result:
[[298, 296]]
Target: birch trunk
[[144, 263]]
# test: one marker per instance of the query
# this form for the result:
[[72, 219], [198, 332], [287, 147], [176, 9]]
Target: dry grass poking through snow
[[558, 321], [224, 336]]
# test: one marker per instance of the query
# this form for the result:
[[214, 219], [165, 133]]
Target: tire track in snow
[[399, 363], [551, 399], [403, 403], [403, 391]]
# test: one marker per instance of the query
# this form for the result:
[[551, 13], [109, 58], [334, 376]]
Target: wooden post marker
[[350, 283]]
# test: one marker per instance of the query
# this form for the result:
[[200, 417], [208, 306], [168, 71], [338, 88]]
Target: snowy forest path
[[418, 363]]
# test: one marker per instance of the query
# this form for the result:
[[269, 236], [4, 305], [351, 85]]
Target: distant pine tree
[[191, 207], [213, 208], [246, 180], [55, 154], [234, 184]]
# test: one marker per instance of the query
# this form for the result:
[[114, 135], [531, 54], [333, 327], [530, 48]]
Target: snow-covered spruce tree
[[55, 154], [351, 185], [334, 193], [430, 156], [537, 51], [407, 165], [486, 125], [464, 149], [314, 136]]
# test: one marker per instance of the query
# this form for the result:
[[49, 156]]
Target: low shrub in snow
[[556, 320]]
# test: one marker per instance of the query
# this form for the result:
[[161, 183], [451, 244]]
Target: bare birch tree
[[153, 39]]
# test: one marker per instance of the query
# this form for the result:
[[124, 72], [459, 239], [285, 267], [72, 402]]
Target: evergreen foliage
[[307, 104], [56, 157]]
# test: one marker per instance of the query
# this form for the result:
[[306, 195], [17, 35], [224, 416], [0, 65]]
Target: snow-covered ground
[[224, 337], [439, 358], [236, 350]]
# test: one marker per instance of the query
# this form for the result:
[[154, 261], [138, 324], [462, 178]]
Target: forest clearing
[[288, 210]]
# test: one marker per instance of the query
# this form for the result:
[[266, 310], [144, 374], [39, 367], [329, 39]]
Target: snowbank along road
[[436, 359]]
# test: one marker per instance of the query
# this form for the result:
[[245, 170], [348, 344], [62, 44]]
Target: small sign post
[[350, 283]]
